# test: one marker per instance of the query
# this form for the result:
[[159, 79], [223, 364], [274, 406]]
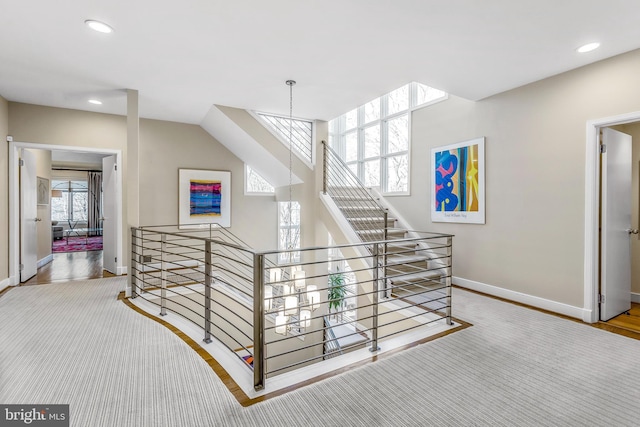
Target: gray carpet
[[75, 343]]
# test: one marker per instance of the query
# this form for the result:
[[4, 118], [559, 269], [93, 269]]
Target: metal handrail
[[205, 279], [363, 212]]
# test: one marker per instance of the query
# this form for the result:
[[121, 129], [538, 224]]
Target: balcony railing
[[276, 318]]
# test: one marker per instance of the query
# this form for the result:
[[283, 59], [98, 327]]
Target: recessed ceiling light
[[588, 47], [95, 102], [98, 26]]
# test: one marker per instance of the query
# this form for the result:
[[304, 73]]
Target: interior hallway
[[70, 266], [514, 366]]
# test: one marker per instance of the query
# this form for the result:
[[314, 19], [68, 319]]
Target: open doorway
[[79, 264], [612, 250]]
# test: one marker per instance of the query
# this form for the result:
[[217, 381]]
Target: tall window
[[256, 184], [73, 205], [374, 139], [338, 265], [289, 231]]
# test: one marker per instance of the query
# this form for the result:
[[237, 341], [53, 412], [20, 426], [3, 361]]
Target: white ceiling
[[184, 56]]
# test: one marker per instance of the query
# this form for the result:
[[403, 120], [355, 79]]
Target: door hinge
[[116, 259], [20, 162], [600, 299], [21, 267], [115, 167], [603, 148]]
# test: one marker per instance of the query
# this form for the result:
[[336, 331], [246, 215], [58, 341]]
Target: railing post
[[207, 291], [258, 322], [324, 167], [163, 275], [374, 317], [385, 235], [448, 278], [134, 261]]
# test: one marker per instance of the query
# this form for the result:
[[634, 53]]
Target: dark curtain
[[94, 203]]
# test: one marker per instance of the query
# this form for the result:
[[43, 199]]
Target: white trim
[[46, 260], [635, 297], [5, 283], [14, 197], [592, 210], [545, 304]]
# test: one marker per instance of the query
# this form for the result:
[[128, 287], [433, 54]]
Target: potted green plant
[[336, 291]]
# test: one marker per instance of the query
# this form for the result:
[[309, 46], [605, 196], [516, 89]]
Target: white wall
[[166, 147], [4, 193], [533, 239]]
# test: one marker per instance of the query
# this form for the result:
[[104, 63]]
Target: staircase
[[406, 265]]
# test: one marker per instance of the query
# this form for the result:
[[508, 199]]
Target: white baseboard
[[121, 271], [5, 283], [635, 297], [545, 304], [46, 260]]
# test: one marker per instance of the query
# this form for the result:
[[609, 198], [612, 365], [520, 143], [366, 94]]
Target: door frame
[[591, 312], [14, 202]]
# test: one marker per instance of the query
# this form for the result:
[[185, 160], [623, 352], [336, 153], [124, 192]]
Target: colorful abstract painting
[[205, 198], [458, 182]]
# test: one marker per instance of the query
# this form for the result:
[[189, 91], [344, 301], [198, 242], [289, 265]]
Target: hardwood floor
[[629, 321], [70, 266]]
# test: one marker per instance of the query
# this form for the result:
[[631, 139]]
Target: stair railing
[[352, 197], [364, 214]]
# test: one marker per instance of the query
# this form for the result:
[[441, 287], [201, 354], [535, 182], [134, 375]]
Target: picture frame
[[204, 198], [458, 182], [42, 190]]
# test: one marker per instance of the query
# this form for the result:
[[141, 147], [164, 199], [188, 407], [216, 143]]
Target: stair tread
[[430, 274], [405, 259]]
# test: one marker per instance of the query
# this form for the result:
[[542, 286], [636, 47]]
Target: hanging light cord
[[290, 83]]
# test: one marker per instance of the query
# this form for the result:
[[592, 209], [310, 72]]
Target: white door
[[109, 226], [28, 217], [615, 251]]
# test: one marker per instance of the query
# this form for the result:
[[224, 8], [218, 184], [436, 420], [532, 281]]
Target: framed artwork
[[42, 189], [457, 192], [204, 197]]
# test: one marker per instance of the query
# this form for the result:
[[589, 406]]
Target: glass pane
[[372, 141], [79, 206], [351, 119], [351, 141], [59, 205], [426, 94], [372, 173], [398, 134], [372, 111], [78, 185], [398, 100], [256, 183], [354, 169], [398, 173]]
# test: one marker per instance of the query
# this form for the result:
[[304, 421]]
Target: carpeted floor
[[77, 244], [75, 343]]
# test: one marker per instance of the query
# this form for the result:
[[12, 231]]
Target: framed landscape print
[[204, 197], [457, 192]]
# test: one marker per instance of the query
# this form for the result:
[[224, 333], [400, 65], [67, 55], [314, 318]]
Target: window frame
[[68, 193], [338, 133], [247, 191], [296, 255], [311, 161]]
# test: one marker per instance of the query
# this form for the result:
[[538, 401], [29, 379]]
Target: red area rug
[[77, 244]]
